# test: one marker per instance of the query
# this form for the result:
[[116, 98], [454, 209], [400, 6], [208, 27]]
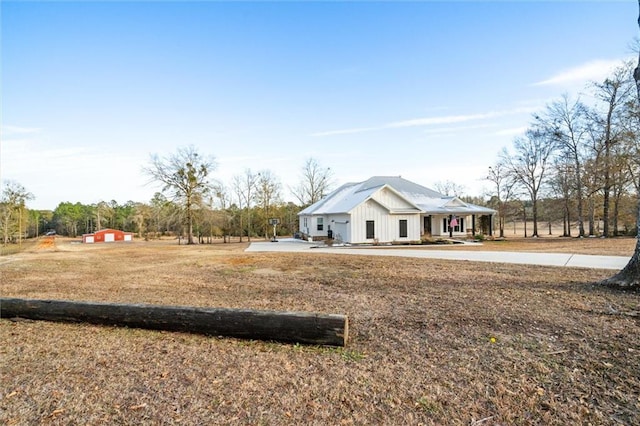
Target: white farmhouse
[[387, 209]]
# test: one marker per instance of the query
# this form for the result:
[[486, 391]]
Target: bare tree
[[565, 120], [185, 176], [315, 183], [238, 192], [224, 202], [613, 93], [504, 184], [12, 204], [245, 188], [622, 177], [267, 194], [449, 188], [629, 276], [593, 182], [529, 165], [562, 186]]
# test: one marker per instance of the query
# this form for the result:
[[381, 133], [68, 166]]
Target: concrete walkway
[[525, 258]]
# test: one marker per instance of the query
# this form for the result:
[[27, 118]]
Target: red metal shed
[[107, 236]]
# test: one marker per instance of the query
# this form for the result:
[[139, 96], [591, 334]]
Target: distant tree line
[[191, 205], [165, 217], [15, 218]]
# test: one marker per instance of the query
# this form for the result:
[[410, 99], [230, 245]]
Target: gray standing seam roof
[[350, 195]]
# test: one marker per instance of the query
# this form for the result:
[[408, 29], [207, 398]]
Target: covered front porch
[[454, 225]]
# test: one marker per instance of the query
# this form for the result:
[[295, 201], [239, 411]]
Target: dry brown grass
[[432, 342], [599, 246]]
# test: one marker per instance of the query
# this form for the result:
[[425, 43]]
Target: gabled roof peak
[[399, 184]]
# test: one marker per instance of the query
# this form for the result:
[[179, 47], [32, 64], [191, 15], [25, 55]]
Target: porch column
[[490, 225]]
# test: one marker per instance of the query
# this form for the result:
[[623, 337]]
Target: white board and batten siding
[[386, 226], [413, 227], [369, 210], [389, 198]]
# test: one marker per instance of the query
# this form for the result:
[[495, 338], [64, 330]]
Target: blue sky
[[428, 90]]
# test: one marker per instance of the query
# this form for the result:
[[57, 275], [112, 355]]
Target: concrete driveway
[[525, 258]]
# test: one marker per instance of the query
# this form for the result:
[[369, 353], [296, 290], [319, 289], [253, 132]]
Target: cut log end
[[345, 332]]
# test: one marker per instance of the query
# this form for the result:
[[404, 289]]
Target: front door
[[427, 225]]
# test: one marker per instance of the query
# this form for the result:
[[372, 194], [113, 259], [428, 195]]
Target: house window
[[403, 228], [458, 224], [320, 224], [305, 223], [371, 230]]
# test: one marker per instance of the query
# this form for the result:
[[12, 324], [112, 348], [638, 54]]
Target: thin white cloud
[[457, 129], [593, 70], [8, 130], [346, 131], [62, 161], [447, 119], [511, 132], [431, 121]]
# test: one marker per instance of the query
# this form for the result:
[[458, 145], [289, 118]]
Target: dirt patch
[[47, 243], [267, 271], [432, 342]]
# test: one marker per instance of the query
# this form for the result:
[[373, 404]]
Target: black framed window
[[371, 229], [403, 228], [320, 224]]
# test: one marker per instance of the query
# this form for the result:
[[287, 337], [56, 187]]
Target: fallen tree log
[[292, 327]]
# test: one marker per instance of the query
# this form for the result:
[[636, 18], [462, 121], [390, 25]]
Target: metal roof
[[350, 195]]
